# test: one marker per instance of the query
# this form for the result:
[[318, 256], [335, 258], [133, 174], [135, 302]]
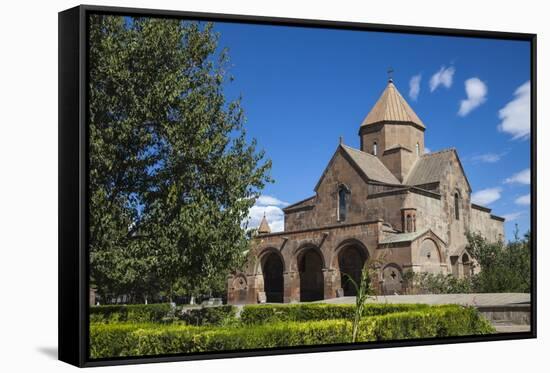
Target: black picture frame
[[73, 173]]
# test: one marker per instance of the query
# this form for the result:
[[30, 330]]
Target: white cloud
[[427, 150], [515, 116], [271, 207], [269, 200], [522, 177], [414, 87], [524, 200], [476, 93], [486, 196], [488, 157], [443, 77], [512, 216]]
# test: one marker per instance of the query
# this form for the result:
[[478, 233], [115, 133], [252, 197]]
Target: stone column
[[291, 292], [331, 279], [255, 284]]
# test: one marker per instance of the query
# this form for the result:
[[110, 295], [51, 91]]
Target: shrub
[[138, 313], [430, 283], [258, 314], [435, 321], [218, 315], [113, 340]]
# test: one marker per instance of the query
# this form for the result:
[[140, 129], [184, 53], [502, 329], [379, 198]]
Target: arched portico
[[350, 258], [310, 264], [272, 270], [271, 267]]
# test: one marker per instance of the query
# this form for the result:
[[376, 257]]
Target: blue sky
[[302, 88]]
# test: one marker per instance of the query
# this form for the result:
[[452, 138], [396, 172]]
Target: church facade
[[388, 200]]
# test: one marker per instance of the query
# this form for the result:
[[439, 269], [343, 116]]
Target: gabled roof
[[409, 237], [403, 237], [368, 165], [371, 166], [308, 202], [392, 107], [431, 167]]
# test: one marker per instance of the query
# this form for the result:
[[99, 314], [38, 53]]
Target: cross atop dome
[[391, 107], [393, 132], [390, 74]]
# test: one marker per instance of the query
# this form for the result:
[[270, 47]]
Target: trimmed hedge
[[113, 340], [217, 315], [137, 313], [259, 314]]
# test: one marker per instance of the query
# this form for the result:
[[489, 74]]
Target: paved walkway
[[488, 299], [512, 328]]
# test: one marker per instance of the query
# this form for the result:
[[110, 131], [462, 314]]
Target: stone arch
[[392, 279], [293, 265], [270, 267], [343, 200], [429, 256], [432, 245], [310, 264], [349, 258], [466, 261], [239, 286], [262, 256], [457, 204]]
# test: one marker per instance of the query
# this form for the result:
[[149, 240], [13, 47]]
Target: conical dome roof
[[392, 107], [264, 226]]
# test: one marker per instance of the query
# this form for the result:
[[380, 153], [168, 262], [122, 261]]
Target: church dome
[[391, 107]]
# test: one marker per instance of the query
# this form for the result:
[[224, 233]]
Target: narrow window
[[409, 223], [375, 149], [457, 212], [417, 149], [342, 204]]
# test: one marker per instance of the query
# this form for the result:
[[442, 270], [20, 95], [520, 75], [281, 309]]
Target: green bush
[[218, 315], [138, 313], [259, 314], [113, 340], [435, 321]]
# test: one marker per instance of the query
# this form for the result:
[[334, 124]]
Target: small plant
[[364, 290]]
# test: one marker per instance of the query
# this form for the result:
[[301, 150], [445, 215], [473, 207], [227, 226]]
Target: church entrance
[[272, 270], [351, 262], [310, 266]]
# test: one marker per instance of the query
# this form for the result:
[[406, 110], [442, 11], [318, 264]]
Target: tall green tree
[[504, 267], [172, 175]]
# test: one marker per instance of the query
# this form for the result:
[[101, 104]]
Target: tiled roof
[[429, 168], [392, 107], [403, 237], [305, 202], [370, 165]]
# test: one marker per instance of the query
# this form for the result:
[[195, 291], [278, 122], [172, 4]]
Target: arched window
[[375, 148], [457, 203], [342, 203], [417, 149], [409, 223]]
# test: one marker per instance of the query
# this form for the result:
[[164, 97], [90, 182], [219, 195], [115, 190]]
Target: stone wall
[[483, 223], [244, 286], [391, 134], [339, 172]]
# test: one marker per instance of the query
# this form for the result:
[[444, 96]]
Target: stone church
[[389, 199]]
